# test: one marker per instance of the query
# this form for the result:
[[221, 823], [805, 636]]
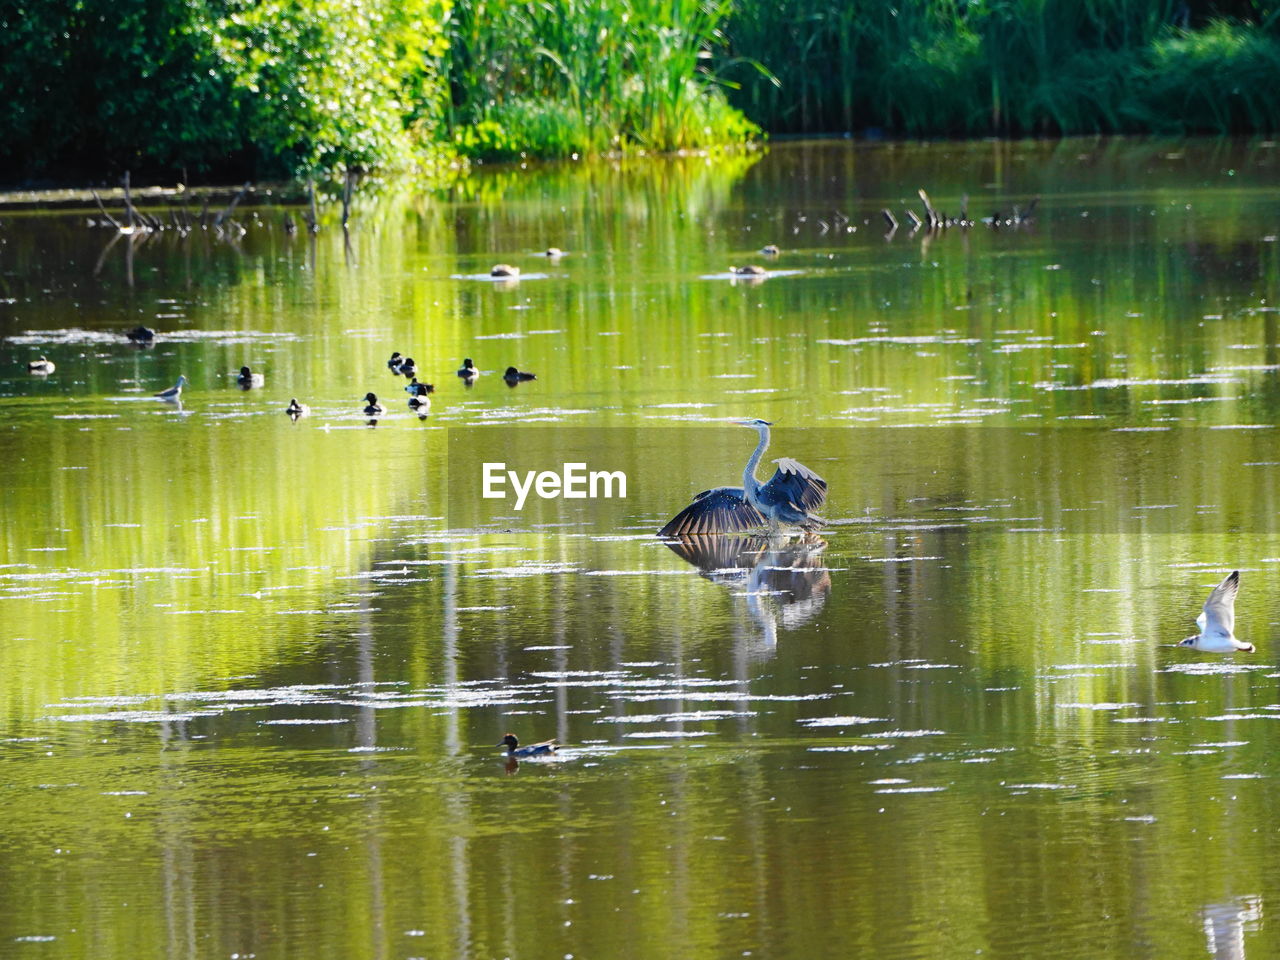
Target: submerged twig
[[128, 202], [346, 198], [933, 220], [217, 221], [312, 216], [114, 222]]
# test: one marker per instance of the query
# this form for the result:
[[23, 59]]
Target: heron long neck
[[749, 481]]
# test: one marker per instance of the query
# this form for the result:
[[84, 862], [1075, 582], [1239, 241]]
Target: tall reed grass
[[962, 68], [559, 77]]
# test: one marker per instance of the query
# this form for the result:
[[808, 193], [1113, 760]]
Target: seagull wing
[[796, 484], [1219, 615], [720, 510]]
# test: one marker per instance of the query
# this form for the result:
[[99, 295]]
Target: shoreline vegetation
[[226, 90]]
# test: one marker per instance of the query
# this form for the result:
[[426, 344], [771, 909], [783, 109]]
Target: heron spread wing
[[721, 510], [796, 484], [1219, 614]]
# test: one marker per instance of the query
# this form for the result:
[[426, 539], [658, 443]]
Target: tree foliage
[[219, 87], [258, 89]]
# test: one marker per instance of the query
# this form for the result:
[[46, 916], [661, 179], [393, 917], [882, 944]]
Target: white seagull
[[1217, 622]]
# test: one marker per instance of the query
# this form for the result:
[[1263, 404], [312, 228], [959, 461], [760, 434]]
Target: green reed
[[950, 67], [588, 76]]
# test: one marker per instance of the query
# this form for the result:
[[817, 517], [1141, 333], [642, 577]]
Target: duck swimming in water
[[770, 250], [751, 270], [44, 366], [408, 367], [468, 370], [394, 363], [553, 253], [372, 408], [532, 750], [416, 389], [141, 335], [174, 392], [418, 399], [514, 376], [249, 379], [296, 409], [504, 270]]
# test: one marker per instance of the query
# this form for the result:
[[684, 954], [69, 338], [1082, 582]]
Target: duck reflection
[[1225, 924], [785, 582]]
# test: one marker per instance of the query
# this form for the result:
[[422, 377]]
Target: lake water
[[254, 669]]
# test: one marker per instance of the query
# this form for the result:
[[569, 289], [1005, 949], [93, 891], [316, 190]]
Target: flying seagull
[[1217, 622]]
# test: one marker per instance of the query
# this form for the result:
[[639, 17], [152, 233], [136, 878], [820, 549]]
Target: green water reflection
[[254, 669]]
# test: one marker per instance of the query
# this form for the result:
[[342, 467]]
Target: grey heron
[[788, 499]]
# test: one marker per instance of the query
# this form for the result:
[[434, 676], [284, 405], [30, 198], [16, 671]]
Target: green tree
[[220, 87]]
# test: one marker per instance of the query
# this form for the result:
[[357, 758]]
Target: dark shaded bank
[[226, 90]]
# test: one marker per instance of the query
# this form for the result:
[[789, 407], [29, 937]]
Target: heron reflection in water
[[786, 503], [1225, 925], [785, 582]]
